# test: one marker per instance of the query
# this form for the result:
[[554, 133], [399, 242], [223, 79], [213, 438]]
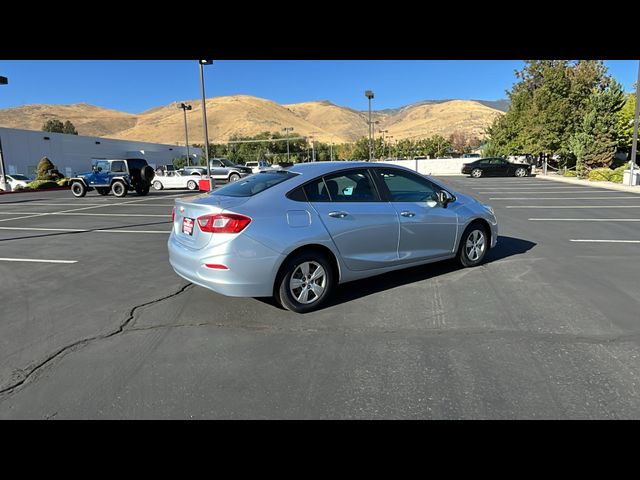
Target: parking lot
[[95, 323]]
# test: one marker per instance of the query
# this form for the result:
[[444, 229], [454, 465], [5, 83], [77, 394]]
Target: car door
[[499, 166], [100, 175], [363, 227], [427, 229], [218, 170]]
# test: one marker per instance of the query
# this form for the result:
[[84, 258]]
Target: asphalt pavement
[[96, 325]]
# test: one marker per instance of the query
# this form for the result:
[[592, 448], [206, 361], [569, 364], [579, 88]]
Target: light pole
[[184, 108], [3, 181], [383, 144], [202, 63], [287, 130], [331, 150], [369, 95], [634, 144]]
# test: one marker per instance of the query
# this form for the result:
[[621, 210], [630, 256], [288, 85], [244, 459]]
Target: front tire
[[520, 172], [78, 189], [234, 177], [305, 282], [476, 173], [474, 245], [192, 185], [157, 185], [119, 189]]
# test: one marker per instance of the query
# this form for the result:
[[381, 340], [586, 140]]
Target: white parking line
[[572, 206], [584, 219], [21, 204], [635, 197], [38, 229], [605, 241], [36, 260], [92, 214], [509, 192], [32, 215]]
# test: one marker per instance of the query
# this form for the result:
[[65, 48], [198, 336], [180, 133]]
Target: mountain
[[246, 115]]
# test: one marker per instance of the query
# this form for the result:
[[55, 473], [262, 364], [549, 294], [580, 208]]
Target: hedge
[[600, 174]]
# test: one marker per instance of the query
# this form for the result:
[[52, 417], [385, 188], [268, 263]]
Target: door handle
[[338, 214], [407, 214]]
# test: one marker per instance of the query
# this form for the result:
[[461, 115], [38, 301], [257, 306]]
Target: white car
[[258, 167], [15, 180], [173, 179]]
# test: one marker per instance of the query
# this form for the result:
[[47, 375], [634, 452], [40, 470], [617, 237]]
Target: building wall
[[433, 166], [71, 154]]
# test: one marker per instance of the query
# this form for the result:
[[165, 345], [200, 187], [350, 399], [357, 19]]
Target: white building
[[71, 154]]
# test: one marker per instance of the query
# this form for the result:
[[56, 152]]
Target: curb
[[587, 183], [2, 192]]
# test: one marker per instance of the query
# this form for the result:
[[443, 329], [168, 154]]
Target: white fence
[[432, 166]]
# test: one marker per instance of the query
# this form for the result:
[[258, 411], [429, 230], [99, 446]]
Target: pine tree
[[54, 126], [69, 128]]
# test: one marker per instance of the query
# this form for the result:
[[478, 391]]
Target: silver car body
[[370, 239]]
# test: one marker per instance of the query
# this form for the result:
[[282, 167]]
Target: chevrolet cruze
[[295, 234]]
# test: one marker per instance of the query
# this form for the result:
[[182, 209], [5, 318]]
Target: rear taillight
[[223, 223], [173, 214]]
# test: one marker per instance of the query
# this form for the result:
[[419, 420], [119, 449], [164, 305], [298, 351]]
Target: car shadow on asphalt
[[505, 248]]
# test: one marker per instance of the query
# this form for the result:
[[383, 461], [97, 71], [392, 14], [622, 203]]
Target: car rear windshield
[[254, 184]]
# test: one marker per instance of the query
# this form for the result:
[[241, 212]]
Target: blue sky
[[134, 86]]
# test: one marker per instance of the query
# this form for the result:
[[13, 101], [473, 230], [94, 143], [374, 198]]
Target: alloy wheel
[[475, 245], [308, 282]]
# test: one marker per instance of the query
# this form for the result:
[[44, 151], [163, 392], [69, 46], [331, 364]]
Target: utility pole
[[204, 120], [287, 130], [634, 145], [184, 108]]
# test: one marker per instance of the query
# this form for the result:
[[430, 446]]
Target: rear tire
[[474, 245], [476, 173], [119, 189], [192, 185], [78, 189], [305, 282]]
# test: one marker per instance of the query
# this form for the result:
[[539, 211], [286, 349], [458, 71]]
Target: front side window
[[407, 187], [102, 166]]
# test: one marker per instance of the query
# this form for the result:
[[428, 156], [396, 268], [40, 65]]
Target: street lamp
[[204, 119], [369, 95], [287, 130], [184, 108], [634, 145]]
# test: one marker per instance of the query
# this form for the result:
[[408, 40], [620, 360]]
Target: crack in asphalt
[[6, 391]]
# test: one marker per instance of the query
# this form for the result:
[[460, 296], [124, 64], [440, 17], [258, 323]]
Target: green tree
[[69, 128], [595, 141], [54, 126], [624, 124]]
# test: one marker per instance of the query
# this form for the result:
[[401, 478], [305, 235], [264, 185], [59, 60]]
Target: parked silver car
[[296, 233], [225, 170]]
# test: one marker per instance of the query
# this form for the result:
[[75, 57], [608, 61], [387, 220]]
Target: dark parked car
[[496, 167]]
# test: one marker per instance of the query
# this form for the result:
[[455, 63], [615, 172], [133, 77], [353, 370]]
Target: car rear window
[[254, 184]]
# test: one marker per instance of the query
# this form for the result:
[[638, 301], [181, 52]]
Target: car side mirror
[[445, 198]]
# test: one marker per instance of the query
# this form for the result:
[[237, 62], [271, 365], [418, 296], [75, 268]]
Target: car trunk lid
[[187, 212]]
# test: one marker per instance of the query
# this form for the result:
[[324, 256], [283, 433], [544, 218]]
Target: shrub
[[600, 174], [570, 173], [63, 182], [618, 174], [44, 167], [38, 184]]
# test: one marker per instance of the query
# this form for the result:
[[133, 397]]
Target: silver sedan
[[295, 234]]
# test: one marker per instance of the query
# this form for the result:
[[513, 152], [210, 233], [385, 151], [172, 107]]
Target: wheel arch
[[477, 220], [309, 248]]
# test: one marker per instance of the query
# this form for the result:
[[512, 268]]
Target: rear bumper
[[252, 267]]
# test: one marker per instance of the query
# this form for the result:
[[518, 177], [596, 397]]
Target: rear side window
[[254, 184], [118, 167]]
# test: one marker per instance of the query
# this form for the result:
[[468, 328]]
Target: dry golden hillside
[[88, 119], [247, 116], [444, 118]]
